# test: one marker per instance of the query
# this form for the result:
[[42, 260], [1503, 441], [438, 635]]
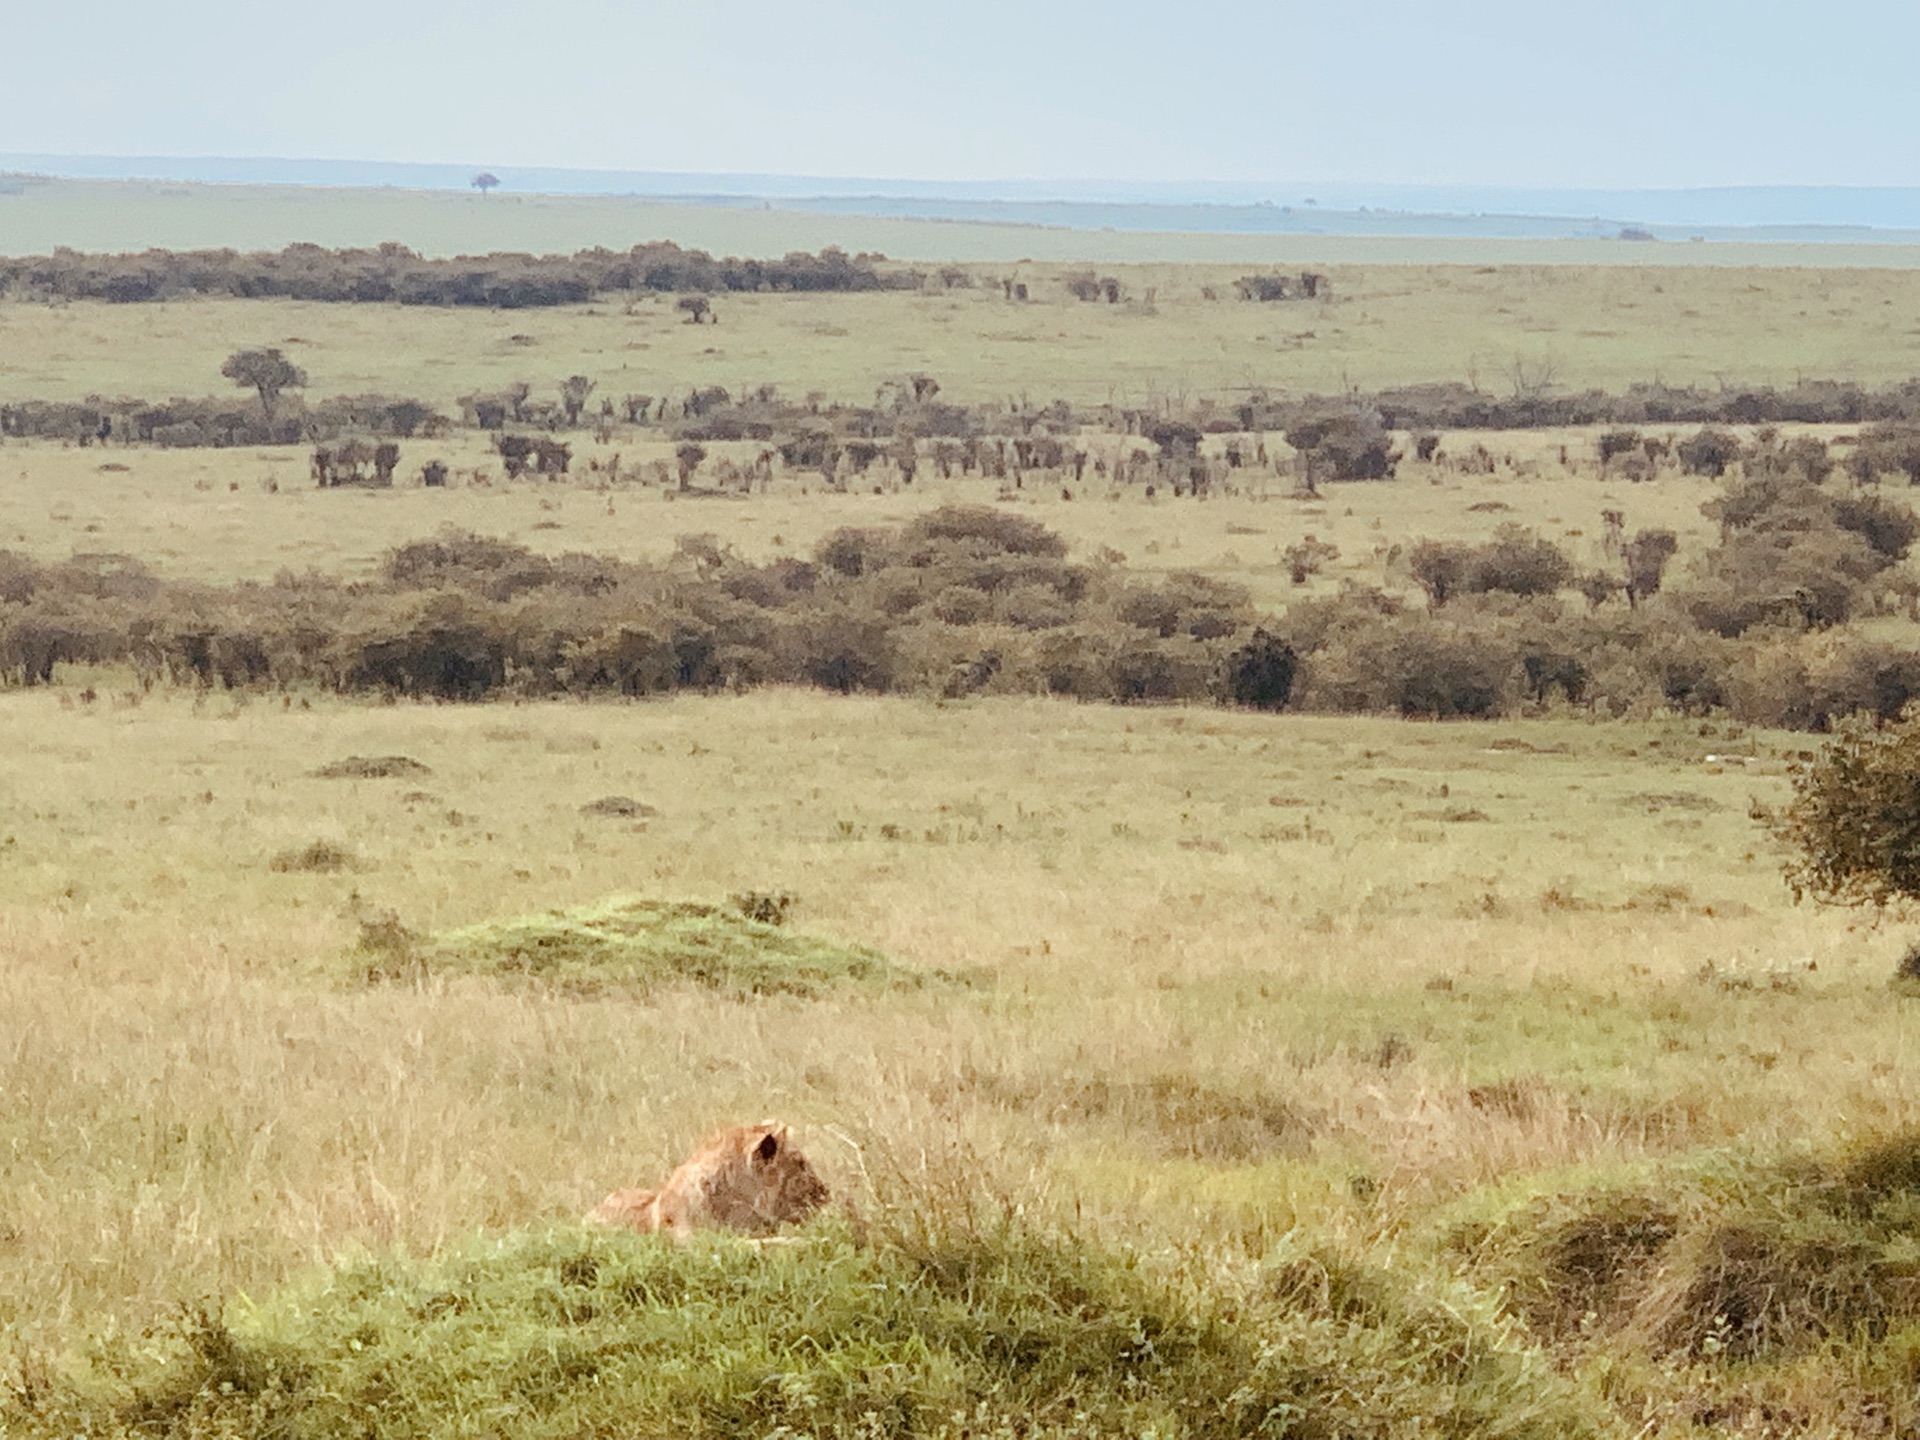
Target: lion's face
[[784, 1187]]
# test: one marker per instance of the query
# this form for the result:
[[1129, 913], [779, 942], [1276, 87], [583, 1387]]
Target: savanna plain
[[1208, 1070]]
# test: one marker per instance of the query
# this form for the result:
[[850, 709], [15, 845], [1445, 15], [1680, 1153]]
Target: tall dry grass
[[1203, 975]]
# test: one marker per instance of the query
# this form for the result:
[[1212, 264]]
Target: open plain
[[1453, 1064]]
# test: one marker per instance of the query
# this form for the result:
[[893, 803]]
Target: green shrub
[[1718, 1260], [1853, 824], [1708, 452], [1260, 673]]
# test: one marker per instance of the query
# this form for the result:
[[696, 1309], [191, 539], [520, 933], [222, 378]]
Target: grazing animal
[[750, 1178]]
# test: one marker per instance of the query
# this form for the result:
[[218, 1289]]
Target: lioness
[[750, 1178]]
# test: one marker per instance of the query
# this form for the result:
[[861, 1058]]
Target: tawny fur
[[750, 1178]]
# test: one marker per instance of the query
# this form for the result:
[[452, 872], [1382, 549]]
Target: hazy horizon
[[1481, 95], [1839, 213]]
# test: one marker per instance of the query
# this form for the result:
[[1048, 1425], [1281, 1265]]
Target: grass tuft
[[372, 767], [318, 857], [636, 945], [1719, 1261]]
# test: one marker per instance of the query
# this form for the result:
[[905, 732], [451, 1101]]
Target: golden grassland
[[1604, 327], [1202, 983], [1310, 939], [251, 513]]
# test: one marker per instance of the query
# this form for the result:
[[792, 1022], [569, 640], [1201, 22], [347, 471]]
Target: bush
[[1708, 452], [372, 767], [1515, 561], [1305, 558], [1518, 562], [1646, 557], [840, 648], [1811, 581], [1260, 673], [1853, 824], [1440, 568], [1411, 665], [442, 646], [1344, 445], [1887, 449], [981, 529], [1886, 525], [1615, 443]]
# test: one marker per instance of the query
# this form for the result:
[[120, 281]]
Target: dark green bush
[[1708, 452]]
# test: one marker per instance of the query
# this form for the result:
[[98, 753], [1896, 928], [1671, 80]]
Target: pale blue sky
[[1477, 92]]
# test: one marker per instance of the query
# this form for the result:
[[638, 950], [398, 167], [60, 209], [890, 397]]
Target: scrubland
[[1226, 1072], [247, 514]]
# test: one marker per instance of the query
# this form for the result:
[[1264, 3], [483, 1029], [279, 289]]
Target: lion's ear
[[769, 1146]]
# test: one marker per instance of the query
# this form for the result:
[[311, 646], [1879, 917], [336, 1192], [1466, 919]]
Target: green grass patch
[[1743, 1275], [631, 944], [999, 1332]]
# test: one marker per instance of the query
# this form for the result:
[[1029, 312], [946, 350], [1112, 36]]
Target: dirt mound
[[320, 857], [636, 945], [371, 767], [619, 807]]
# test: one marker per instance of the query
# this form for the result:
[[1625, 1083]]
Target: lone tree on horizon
[[266, 372], [484, 181]]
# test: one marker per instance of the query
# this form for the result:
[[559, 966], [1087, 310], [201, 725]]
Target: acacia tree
[[1853, 825], [688, 455], [573, 396], [485, 181], [266, 372]]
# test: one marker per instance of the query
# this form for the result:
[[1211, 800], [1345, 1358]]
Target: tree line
[[396, 274], [1192, 449], [981, 601]]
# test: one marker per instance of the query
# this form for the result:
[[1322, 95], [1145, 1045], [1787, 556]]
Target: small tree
[[1646, 557], [1519, 562], [1343, 445], [689, 455], [266, 372], [1615, 443], [573, 396], [1853, 825], [1708, 452], [697, 308], [1440, 567], [485, 181], [1260, 673]]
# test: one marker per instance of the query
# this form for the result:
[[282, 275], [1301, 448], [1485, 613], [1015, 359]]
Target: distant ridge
[[1786, 213]]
